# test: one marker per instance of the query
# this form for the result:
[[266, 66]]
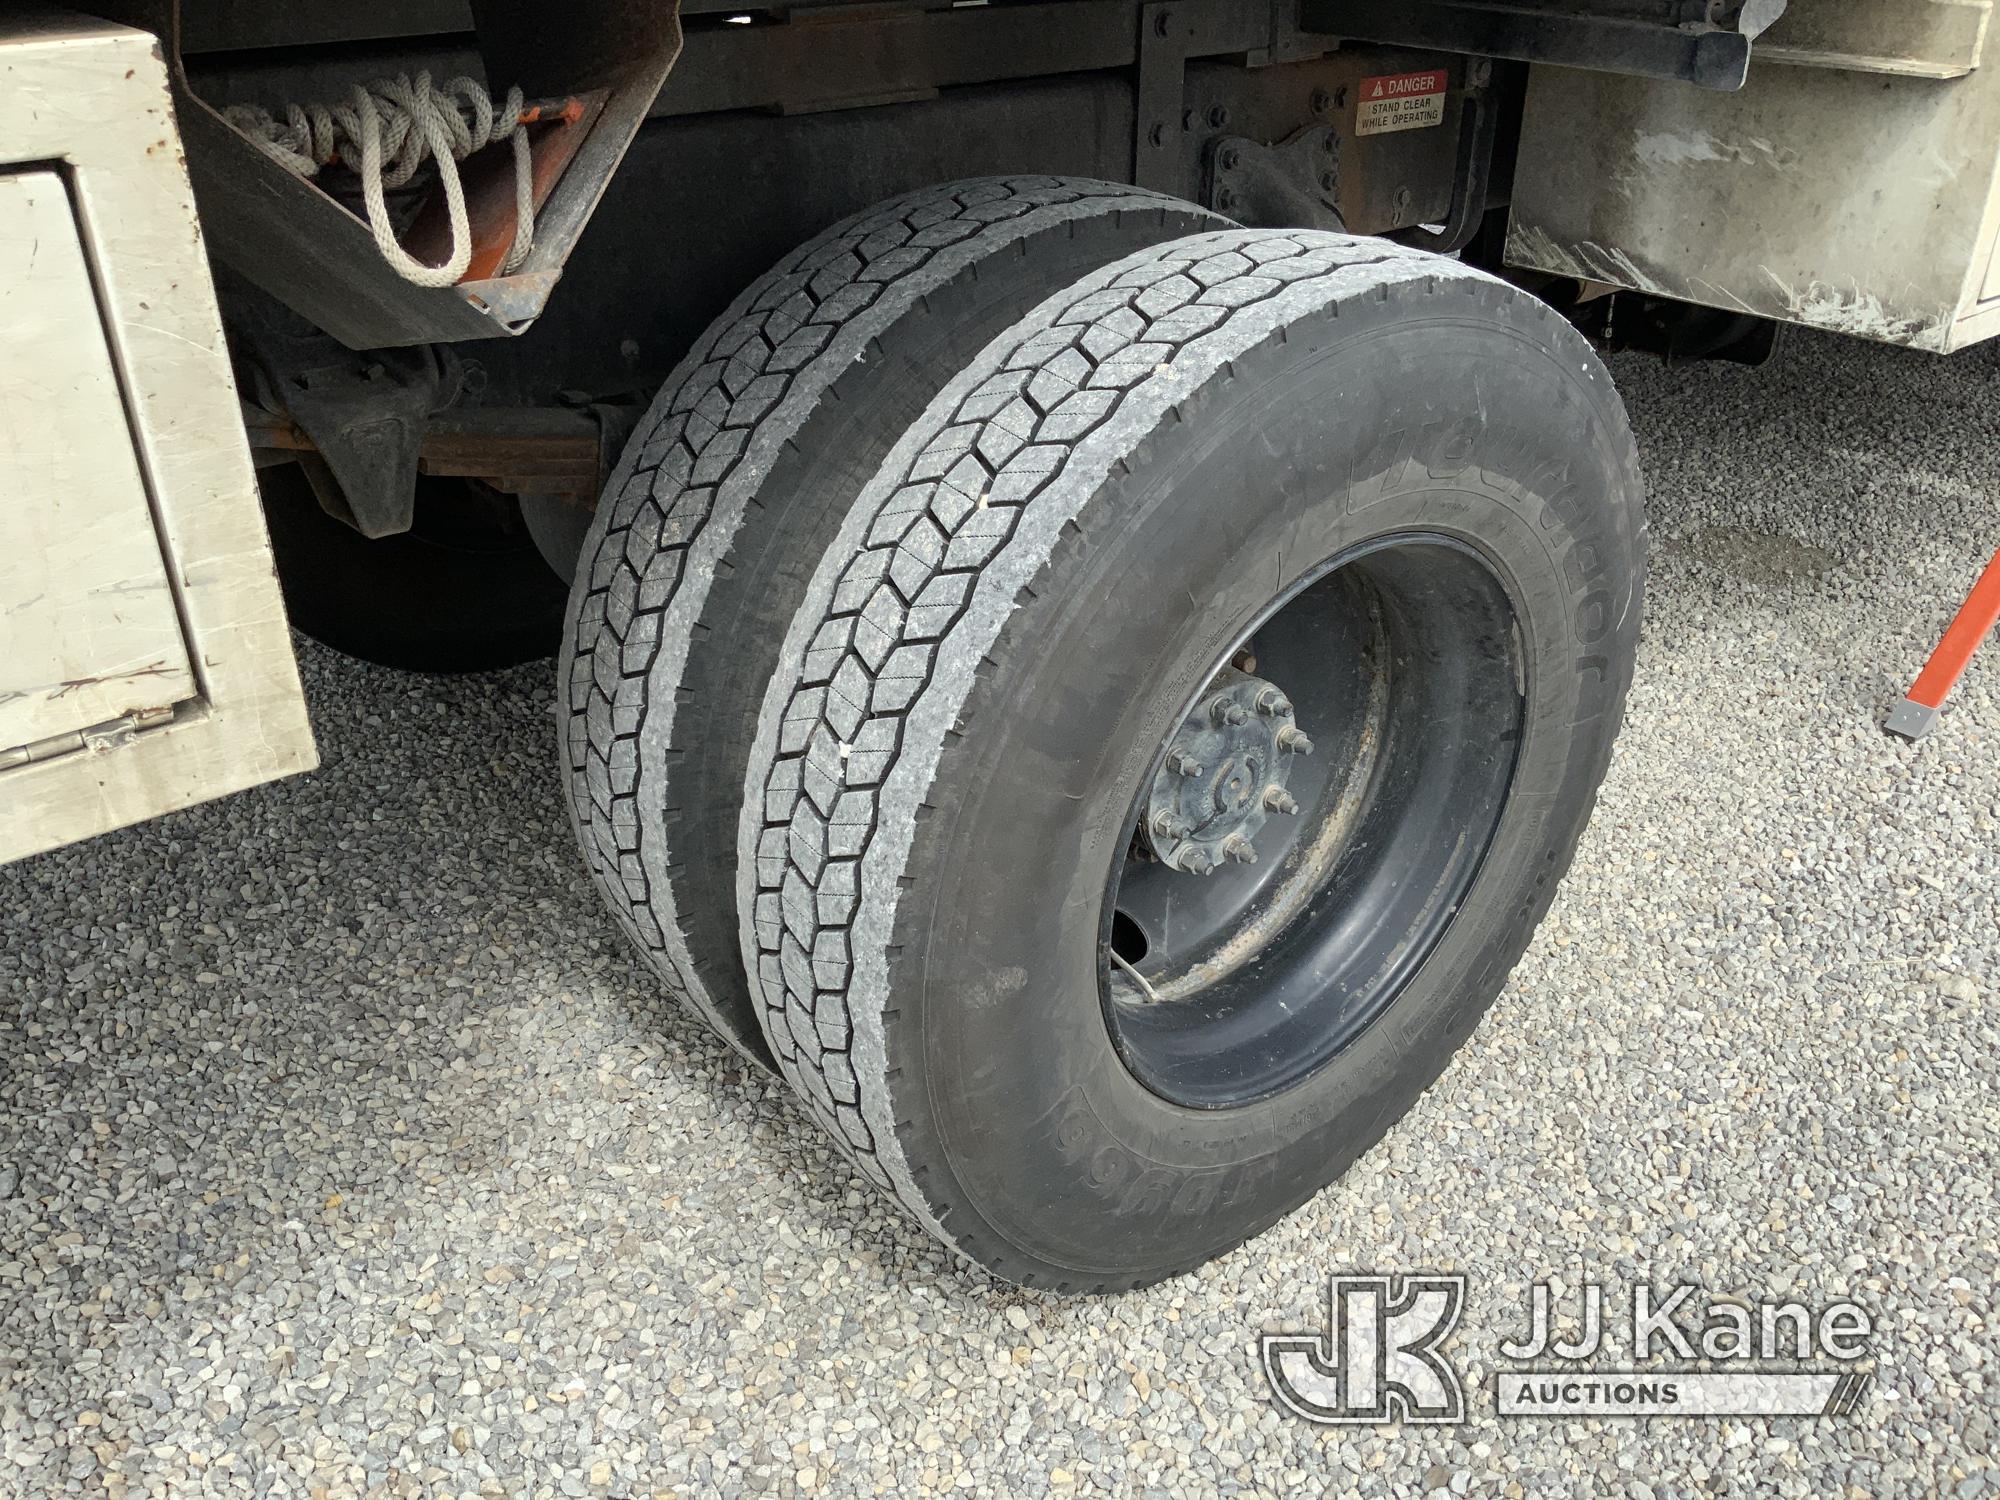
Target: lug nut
[[1227, 711], [1238, 848], [1182, 765], [1278, 800], [1194, 861], [1292, 740], [1274, 704], [1167, 826]]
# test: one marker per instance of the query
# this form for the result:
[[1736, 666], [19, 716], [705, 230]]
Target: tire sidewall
[[1489, 423]]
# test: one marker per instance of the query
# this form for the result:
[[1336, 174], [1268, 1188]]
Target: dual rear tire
[[729, 494], [1105, 728]]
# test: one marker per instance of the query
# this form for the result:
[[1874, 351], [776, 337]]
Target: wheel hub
[[1224, 775]]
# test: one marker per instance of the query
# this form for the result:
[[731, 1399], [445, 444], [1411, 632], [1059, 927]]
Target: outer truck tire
[[1231, 495]]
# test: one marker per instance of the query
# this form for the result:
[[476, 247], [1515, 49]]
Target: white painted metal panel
[[87, 101], [91, 633], [1914, 38], [1863, 202]]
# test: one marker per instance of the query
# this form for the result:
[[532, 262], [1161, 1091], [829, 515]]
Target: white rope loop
[[386, 131]]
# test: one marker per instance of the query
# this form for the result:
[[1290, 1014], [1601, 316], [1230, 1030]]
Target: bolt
[[1273, 704], [1227, 711], [1402, 201], [1218, 116], [1225, 200], [1182, 765], [1238, 848], [1193, 861], [1322, 101], [1292, 740], [1167, 826], [1278, 800], [1228, 159]]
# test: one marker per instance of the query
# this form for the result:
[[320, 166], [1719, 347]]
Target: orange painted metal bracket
[[1916, 714], [560, 128]]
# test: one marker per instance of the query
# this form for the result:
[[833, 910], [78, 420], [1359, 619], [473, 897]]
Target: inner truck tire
[[1279, 546], [726, 498], [465, 589]]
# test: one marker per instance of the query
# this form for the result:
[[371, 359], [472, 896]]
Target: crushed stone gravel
[[345, 1150]]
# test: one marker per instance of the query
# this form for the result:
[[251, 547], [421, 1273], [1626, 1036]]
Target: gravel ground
[[343, 1148]]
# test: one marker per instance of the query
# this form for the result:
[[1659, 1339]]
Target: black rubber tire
[[465, 590], [963, 713], [728, 495], [560, 530]]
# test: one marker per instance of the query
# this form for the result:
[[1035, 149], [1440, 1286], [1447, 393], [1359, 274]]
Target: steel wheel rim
[[1403, 665]]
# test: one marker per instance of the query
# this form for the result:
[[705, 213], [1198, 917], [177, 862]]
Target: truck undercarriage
[[1093, 662]]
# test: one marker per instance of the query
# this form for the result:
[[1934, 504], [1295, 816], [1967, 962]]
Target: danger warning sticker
[[1401, 101]]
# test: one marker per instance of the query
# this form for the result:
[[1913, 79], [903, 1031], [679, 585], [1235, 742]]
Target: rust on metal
[[532, 450], [488, 176]]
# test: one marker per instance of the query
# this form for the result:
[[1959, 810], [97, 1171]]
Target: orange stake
[[1914, 716]]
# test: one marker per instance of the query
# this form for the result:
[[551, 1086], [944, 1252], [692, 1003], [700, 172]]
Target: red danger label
[[1401, 101]]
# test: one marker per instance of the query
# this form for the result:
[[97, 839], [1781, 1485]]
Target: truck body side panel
[[148, 664], [1844, 189]]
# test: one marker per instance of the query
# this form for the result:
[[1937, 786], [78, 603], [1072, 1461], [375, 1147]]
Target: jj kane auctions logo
[[1382, 1356]]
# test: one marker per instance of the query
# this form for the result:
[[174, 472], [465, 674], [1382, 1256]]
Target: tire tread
[[677, 499]]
